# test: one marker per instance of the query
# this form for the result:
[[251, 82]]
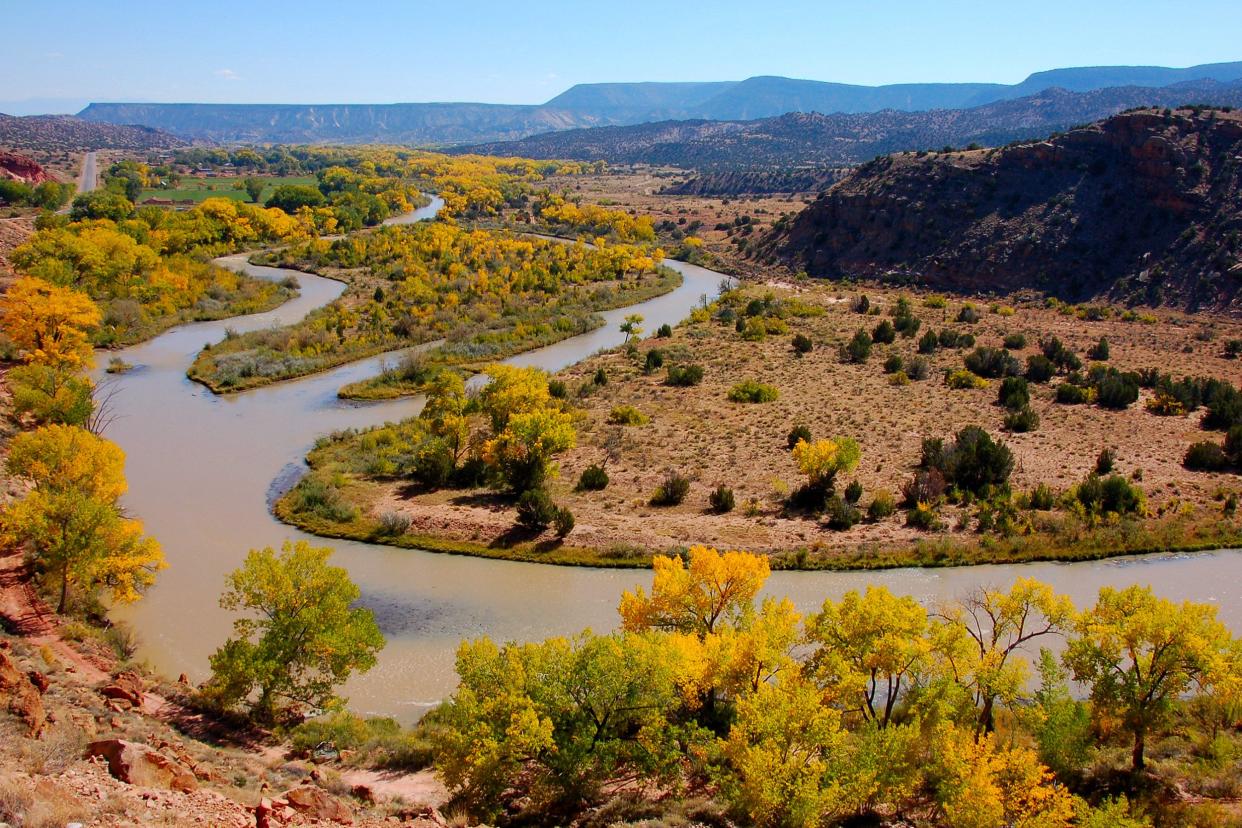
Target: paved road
[[89, 179]]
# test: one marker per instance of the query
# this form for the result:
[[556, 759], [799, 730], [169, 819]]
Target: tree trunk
[[987, 720], [1137, 762], [64, 591]]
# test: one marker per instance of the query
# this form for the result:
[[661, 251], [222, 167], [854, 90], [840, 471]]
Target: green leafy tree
[[299, 636], [632, 326], [253, 187], [1140, 654]]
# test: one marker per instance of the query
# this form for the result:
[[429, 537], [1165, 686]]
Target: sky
[[68, 52]]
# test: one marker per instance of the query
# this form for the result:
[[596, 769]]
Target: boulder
[[127, 688], [22, 693], [318, 804], [138, 764]]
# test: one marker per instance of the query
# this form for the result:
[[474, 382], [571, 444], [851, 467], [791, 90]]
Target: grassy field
[[699, 432], [192, 188]]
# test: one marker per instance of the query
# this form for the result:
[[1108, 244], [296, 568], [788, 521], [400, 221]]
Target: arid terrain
[[700, 433]]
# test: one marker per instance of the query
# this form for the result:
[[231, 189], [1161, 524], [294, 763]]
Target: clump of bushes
[[968, 315], [918, 369], [1060, 356], [654, 361], [1099, 351], [593, 478], [992, 362], [1014, 342], [884, 333], [1014, 394], [972, 462], [858, 349], [894, 364], [672, 490], [627, 415], [840, 514], [563, 522], [1117, 391], [928, 343], [664, 331], [1112, 495], [1021, 420], [853, 492], [963, 379], [1070, 394], [1039, 368], [684, 376], [721, 500], [753, 391], [535, 510], [802, 344], [1205, 456], [316, 496], [798, 433], [882, 505]]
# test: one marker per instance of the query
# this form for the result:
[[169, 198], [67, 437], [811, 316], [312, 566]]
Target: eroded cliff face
[[21, 168], [1142, 207]]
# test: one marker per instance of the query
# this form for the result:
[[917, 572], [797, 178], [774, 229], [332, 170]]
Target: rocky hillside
[[22, 168], [801, 139], [48, 133], [1143, 207]]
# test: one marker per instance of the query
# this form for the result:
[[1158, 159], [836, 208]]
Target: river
[[200, 467]]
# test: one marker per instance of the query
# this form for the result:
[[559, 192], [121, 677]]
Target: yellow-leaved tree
[[49, 324]]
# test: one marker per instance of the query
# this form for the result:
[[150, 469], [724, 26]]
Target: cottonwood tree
[[992, 627], [1140, 654], [49, 324], [299, 637]]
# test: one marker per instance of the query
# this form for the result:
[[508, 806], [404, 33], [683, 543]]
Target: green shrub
[[928, 343], [1014, 394], [1039, 368], [861, 303], [991, 362], [922, 516], [316, 496], [971, 462], [797, 433], [558, 390], [653, 361], [1099, 351], [936, 301], [1117, 391], [853, 492], [627, 415], [1109, 495], [1070, 394], [882, 505], [1060, 356], [394, 524], [535, 510], [753, 391], [593, 478], [601, 376], [884, 333], [802, 344], [664, 331], [919, 369], [1015, 342], [953, 339], [1022, 420], [893, 364], [859, 348], [721, 500], [968, 314], [684, 375], [840, 515], [1105, 460], [1205, 456], [672, 491], [962, 380], [1233, 445], [563, 522], [753, 330], [1042, 498]]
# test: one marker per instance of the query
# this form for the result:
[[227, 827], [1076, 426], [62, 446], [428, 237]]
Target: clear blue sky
[[526, 51]]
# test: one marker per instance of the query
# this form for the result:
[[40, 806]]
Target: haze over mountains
[[611, 104]]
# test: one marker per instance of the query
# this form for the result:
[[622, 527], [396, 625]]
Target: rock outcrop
[[1143, 207], [21, 168], [22, 694], [138, 764], [317, 803]]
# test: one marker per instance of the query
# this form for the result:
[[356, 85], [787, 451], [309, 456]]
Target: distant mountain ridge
[[797, 140], [609, 104], [65, 132]]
